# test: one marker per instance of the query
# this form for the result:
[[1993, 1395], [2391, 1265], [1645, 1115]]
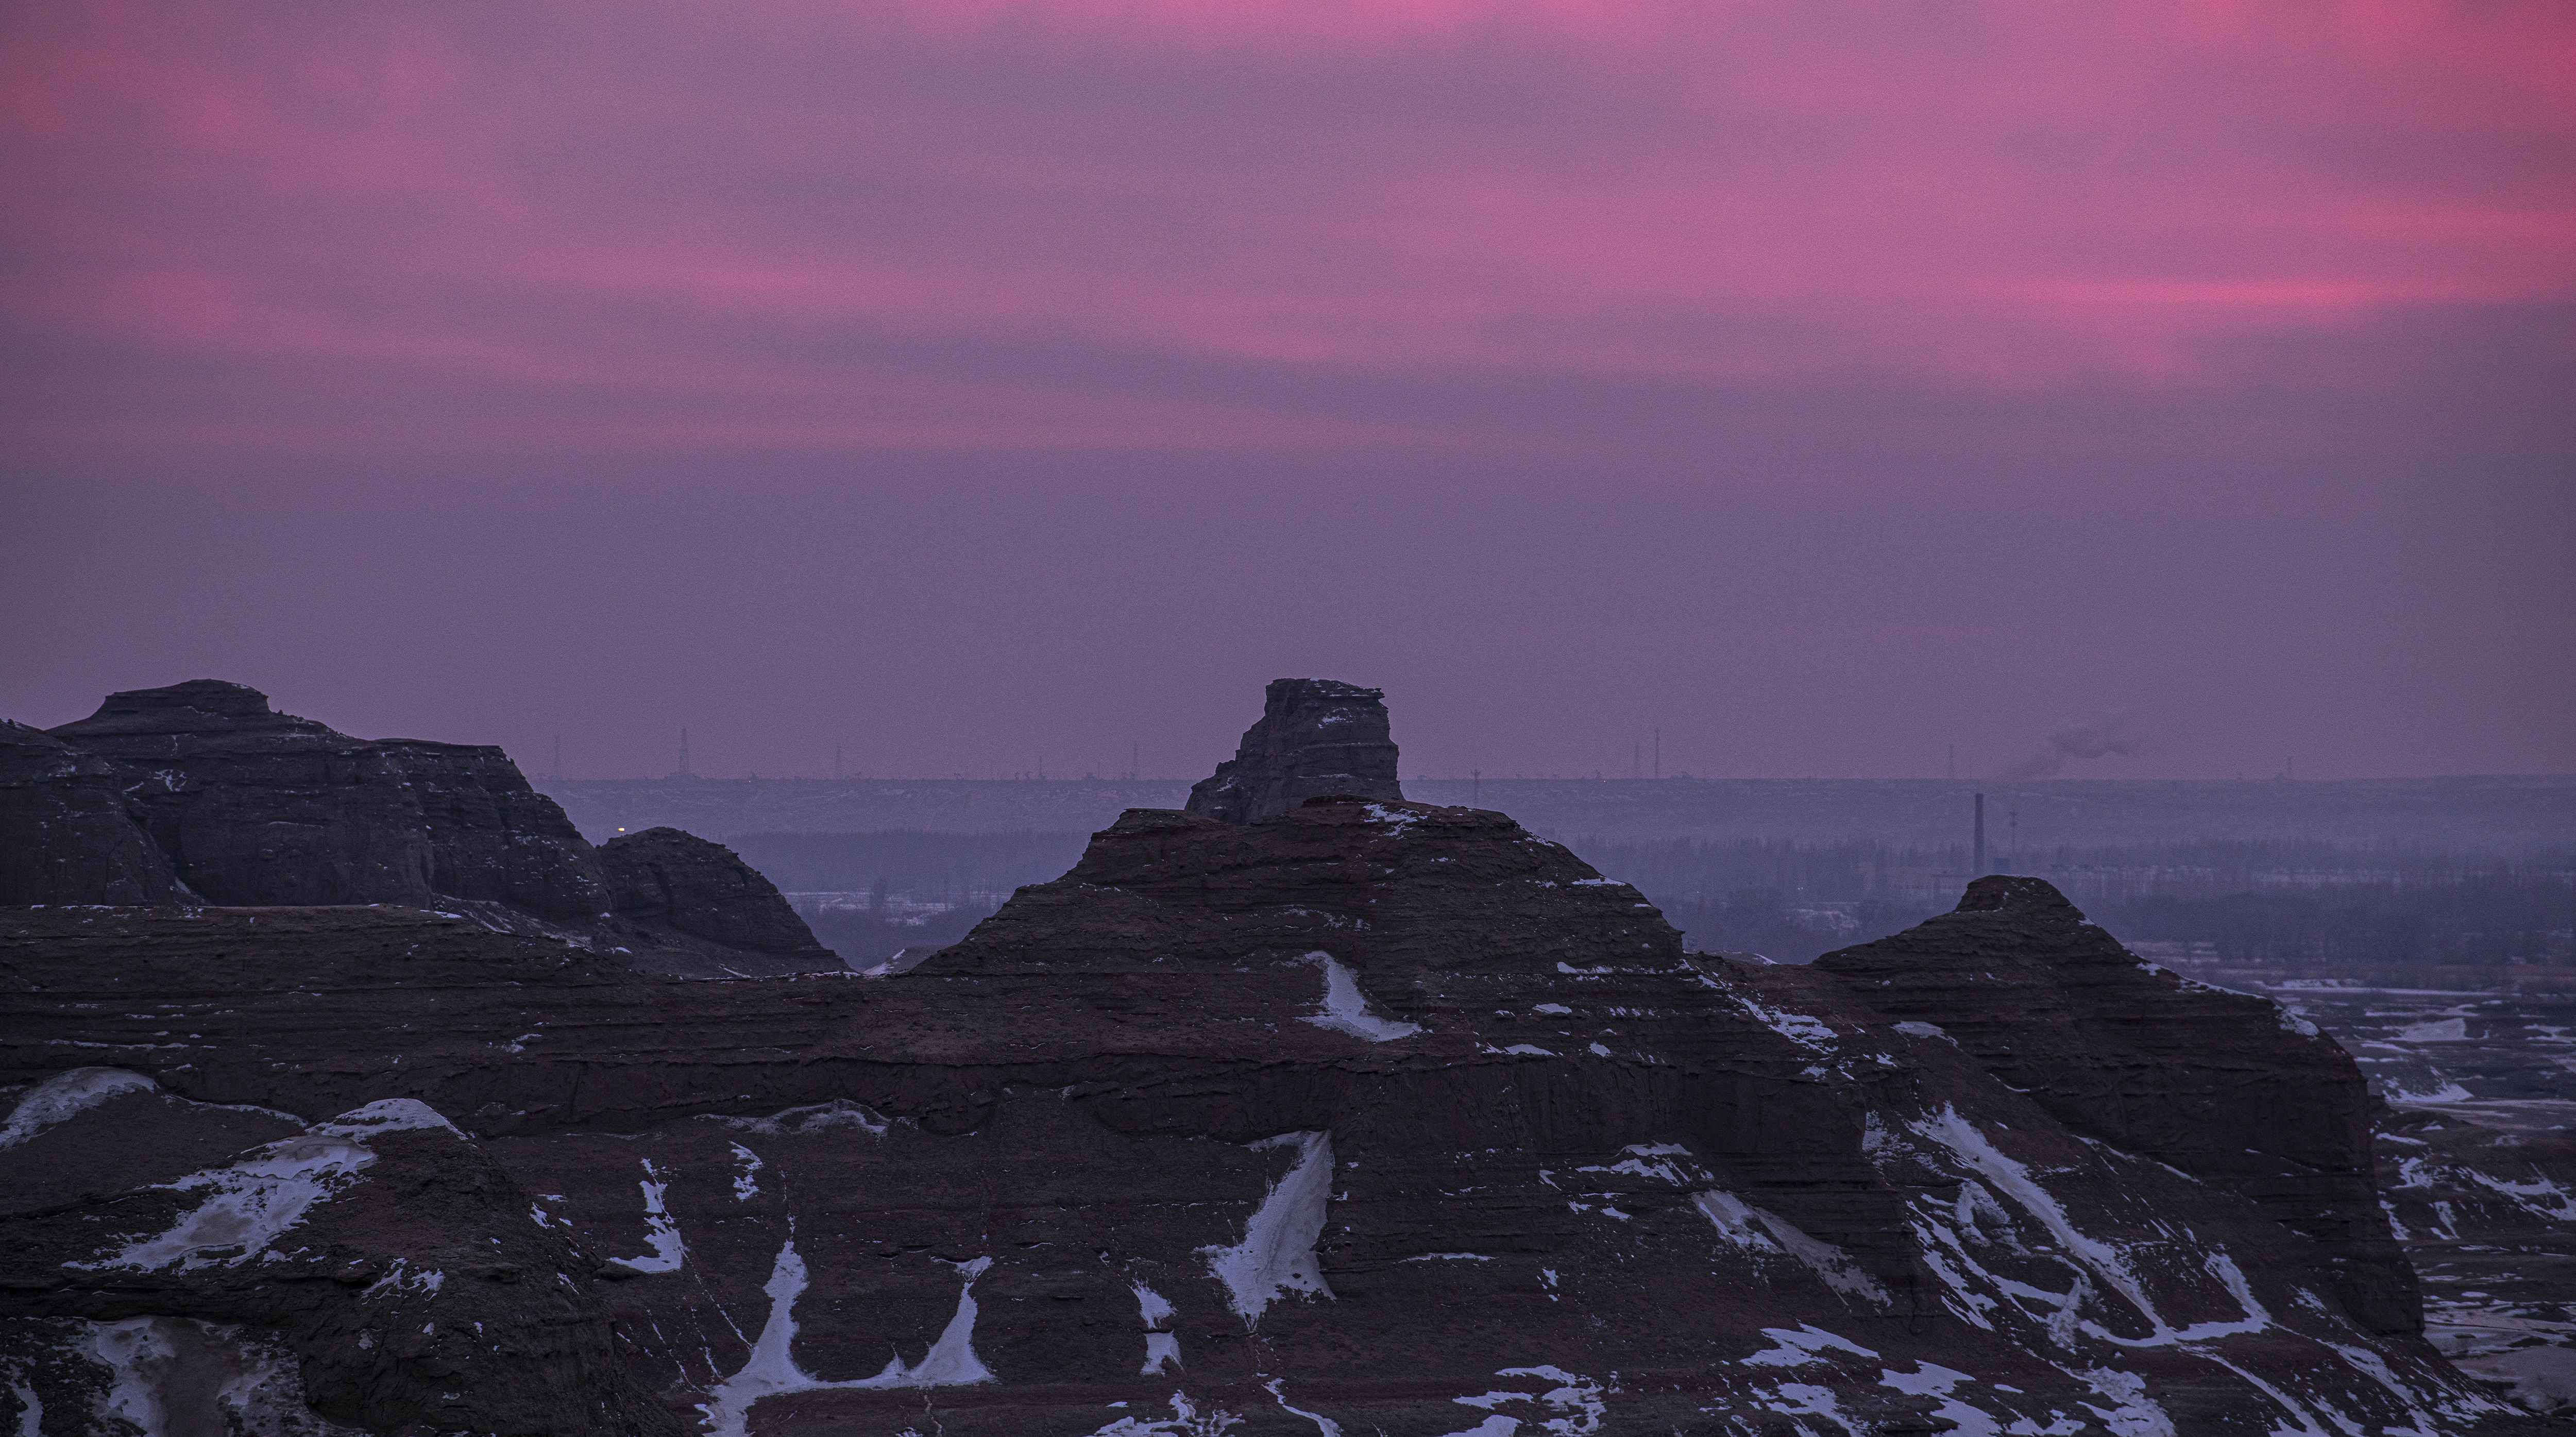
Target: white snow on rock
[[1324, 1425], [668, 1250], [1572, 1407], [1798, 1346], [1277, 1254], [2132, 1412], [1757, 1230], [247, 1204], [2100, 1262], [401, 1276], [1186, 1421], [771, 1368], [391, 1115], [172, 1375], [1394, 818], [1345, 1007], [65, 1094], [746, 1184], [1914, 1029], [1804, 1029], [2445, 1030], [813, 1118], [1161, 1347]]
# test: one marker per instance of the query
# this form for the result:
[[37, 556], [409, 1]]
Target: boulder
[[1316, 738]]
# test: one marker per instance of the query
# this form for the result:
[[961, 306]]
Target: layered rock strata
[[1316, 739], [1370, 1116], [200, 791]]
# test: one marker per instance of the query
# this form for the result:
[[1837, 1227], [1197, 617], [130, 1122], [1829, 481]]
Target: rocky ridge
[[201, 792], [1369, 1115]]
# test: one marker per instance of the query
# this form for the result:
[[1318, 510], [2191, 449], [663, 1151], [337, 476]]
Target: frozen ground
[[2477, 1157]]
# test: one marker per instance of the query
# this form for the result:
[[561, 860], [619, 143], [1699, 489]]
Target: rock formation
[[1369, 1116], [201, 792], [65, 835], [1316, 738], [669, 880]]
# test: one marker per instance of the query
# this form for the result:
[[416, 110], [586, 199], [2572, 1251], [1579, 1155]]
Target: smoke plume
[[2104, 737]]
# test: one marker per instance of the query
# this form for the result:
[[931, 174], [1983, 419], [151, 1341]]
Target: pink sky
[[1569, 368]]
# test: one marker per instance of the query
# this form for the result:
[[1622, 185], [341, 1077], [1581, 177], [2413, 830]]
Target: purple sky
[[988, 384]]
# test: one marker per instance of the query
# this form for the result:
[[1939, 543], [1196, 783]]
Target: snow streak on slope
[[1346, 1007], [1277, 1253], [771, 1368]]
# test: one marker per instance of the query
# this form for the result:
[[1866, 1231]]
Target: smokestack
[[1977, 868]]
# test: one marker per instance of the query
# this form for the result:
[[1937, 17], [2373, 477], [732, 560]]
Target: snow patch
[[1804, 1029], [1345, 1007], [1806, 1343], [172, 1375], [1574, 1404], [1324, 1425], [392, 1115], [1756, 1230], [746, 1184], [1186, 1421], [668, 1250], [1277, 1254], [247, 1204], [771, 1368], [65, 1094], [400, 1276], [1914, 1029], [814, 1118]]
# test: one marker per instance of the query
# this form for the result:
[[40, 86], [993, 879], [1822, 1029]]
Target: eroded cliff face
[[1369, 1116], [1316, 738], [200, 791]]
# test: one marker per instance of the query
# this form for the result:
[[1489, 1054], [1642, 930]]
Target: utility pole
[[1636, 760], [1953, 770], [1134, 764], [1977, 865], [684, 755], [2012, 835], [1475, 786], [558, 771], [1659, 753], [836, 760]]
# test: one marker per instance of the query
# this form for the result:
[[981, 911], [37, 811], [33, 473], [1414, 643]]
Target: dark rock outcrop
[[200, 791], [2224, 1086], [65, 834], [679, 883], [1316, 738], [258, 807], [1372, 1116]]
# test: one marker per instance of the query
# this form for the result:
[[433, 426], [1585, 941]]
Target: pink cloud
[[850, 226]]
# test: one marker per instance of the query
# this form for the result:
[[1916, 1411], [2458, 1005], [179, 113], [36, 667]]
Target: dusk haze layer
[[985, 388]]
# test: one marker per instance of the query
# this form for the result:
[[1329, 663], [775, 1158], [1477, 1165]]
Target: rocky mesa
[[1315, 1112]]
